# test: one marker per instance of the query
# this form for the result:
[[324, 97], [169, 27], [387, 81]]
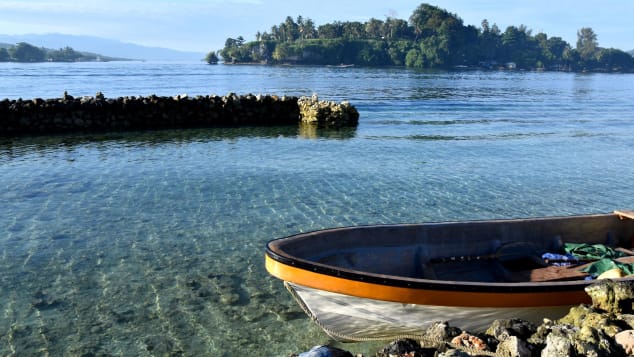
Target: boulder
[[503, 329], [438, 333], [327, 113], [588, 316], [405, 348], [614, 296], [513, 346], [557, 346], [625, 339]]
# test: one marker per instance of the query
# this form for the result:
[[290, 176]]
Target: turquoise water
[[152, 243]]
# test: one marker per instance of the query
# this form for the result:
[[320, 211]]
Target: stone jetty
[[604, 328], [70, 114], [321, 112]]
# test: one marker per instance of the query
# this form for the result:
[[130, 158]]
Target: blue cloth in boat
[[560, 259]]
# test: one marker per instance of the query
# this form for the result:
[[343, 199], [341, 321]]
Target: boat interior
[[472, 251]]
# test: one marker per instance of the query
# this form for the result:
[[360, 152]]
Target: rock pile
[[98, 114], [605, 328], [327, 113]]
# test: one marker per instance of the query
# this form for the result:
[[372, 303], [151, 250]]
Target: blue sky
[[203, 25]]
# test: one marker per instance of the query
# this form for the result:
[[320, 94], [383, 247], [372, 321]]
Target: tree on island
[[24, 52], [433, 38], [4, 55], [211, 58], [66, 54], [587, 44]]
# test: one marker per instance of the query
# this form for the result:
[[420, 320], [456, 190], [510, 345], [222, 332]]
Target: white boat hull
[[384, 281], [350, 318]]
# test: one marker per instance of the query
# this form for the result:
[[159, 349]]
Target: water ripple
[[151, 243]]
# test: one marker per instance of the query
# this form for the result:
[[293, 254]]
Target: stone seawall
[[99, 114]]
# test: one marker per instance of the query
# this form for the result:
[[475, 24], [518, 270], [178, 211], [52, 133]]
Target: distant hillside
[[26, 52], [631, 52], [107, 47]]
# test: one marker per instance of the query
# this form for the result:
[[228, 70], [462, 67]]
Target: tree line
[[25, 52], [432, 38]]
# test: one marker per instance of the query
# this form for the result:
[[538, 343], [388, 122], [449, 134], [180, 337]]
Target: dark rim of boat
[[423, 284]]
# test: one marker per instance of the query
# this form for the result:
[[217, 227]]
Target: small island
[[432, 38], [27, 53]]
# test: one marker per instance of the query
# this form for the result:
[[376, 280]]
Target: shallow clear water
[[153, 243]]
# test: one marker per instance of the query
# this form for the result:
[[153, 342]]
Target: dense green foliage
[[4, 55], [24, 52], [432, 38], [211, 58]]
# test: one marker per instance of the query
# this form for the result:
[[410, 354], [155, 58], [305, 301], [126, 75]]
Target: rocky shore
[[70, 114], [605, 328]]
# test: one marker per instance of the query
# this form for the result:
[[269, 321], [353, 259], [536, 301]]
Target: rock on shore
[[605, 328], [100, 114]]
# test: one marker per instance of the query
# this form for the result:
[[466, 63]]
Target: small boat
[[387, 281]]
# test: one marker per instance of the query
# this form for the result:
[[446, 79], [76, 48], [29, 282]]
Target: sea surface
[[152, 243]]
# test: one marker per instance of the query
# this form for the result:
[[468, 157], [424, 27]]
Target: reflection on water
[[11, 148], [312, 131], [152, 243]]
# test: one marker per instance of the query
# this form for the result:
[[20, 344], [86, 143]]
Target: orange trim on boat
[[422, 296]]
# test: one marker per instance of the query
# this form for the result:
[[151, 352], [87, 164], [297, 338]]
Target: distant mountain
[[104, 46], [631, 52]]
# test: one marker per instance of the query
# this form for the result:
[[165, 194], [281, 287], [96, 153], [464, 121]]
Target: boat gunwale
[[426, 284], [276, 253]]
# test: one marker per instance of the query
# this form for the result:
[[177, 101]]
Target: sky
[[204, 25]]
